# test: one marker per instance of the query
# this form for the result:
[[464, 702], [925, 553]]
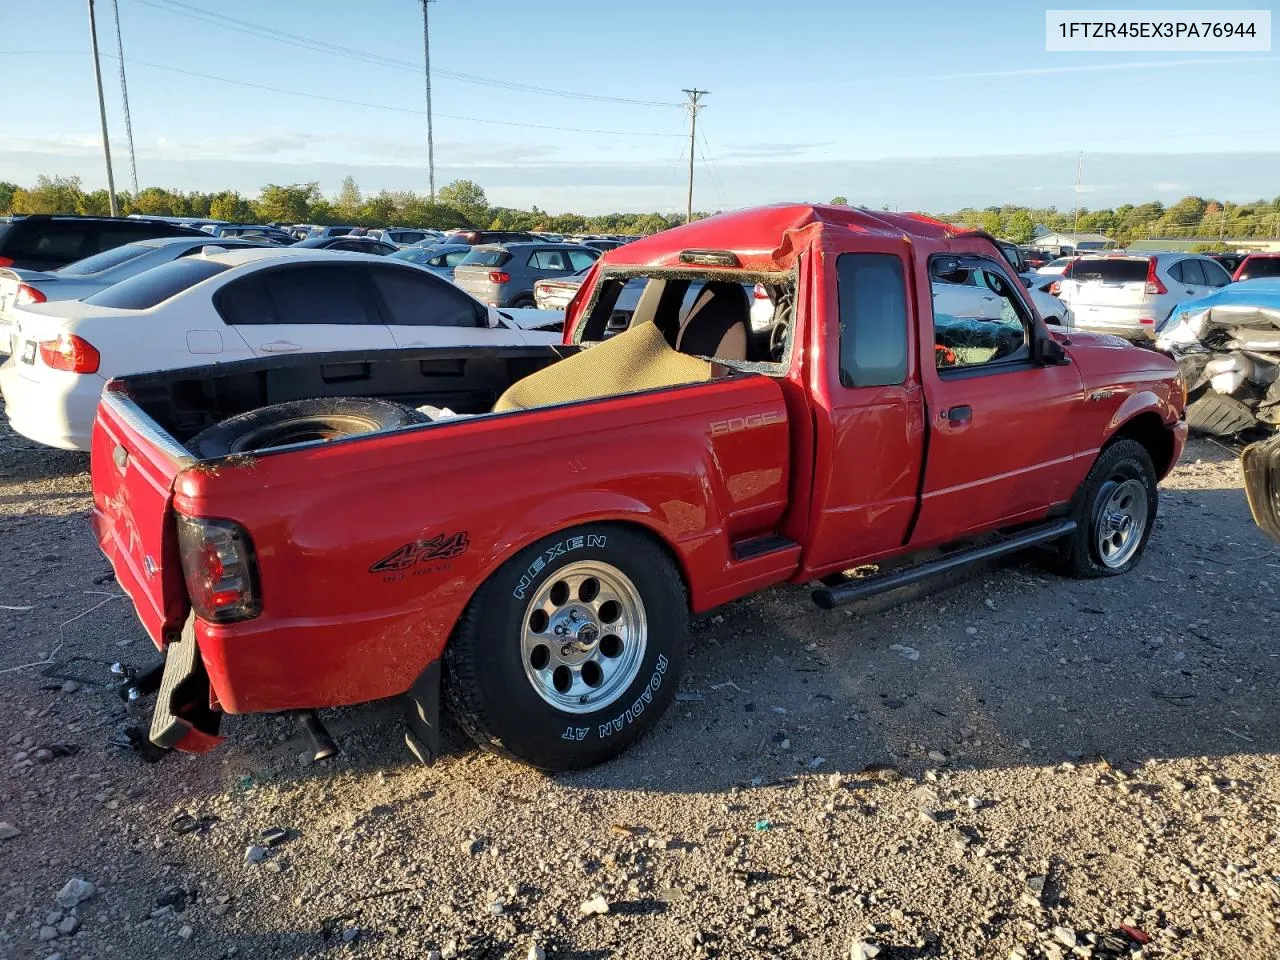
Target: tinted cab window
[[873, 319]]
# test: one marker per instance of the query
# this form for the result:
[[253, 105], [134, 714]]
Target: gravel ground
[[1013, 765]]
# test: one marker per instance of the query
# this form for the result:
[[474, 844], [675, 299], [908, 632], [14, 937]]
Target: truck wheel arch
[[636, 520], [1149, 429]]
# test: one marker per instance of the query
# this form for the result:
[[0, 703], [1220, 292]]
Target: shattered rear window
[[1110, 271]]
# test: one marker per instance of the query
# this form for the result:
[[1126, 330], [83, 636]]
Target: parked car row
[[188, 298]]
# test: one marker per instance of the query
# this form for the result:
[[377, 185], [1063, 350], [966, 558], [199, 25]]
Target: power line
[[124, 96], [320, 46], [382, 106], [709, 162]]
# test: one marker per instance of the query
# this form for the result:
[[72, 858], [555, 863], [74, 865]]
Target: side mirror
[[1050, 353], [942, 267]]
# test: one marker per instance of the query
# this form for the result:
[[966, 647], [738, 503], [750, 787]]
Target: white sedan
[[232, 305]]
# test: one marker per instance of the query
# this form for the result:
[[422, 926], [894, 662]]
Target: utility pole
[[426, 61], [124, 95], [1079, 179], [102, 111], [1222, 223], [695, 95]]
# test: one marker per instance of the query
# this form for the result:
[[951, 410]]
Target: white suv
[[1132, 296]]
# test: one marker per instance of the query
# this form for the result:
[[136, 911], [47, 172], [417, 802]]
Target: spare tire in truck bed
[[298, 421]]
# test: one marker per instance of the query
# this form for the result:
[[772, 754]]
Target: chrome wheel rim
[[583, 637], [1120, 522]]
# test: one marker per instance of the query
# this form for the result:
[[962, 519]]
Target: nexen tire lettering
[[556, 550], [630, 714], [637, 708]]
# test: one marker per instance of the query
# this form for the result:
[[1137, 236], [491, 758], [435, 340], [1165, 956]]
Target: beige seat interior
[[638, 359]]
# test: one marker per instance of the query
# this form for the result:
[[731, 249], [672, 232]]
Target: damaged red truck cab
[[538, 555]]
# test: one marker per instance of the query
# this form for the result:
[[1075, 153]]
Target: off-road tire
[[485, 682], [1219, 415], [1078, 555], [321, 418]]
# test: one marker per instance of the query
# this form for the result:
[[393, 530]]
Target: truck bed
[[183, 402], [704, 467]]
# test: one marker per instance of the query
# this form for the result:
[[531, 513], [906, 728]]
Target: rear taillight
[[498, 276], [1147, 321], [70, 353], [1153, 282], [760, 293], [28, 294], [6, 261], [218, 564]]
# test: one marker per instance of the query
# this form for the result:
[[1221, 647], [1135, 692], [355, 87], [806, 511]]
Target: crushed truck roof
[[767, 238]]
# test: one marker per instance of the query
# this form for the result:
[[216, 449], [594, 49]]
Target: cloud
[[762, 150], [1167, 187], [287, 146]]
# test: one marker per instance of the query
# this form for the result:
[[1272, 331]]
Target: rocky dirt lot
[[1012, 766]]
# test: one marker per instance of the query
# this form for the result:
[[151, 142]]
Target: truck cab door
[[1004, 430], [868, 406]]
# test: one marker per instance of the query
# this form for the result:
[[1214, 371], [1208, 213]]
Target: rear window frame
[[135, 249], [504, 257], [1080, 270], [185, 264]]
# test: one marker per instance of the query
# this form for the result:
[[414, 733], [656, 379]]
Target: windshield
[[105, 260], [486, 258], [1110, 271], [1260, 267], [156, 285]]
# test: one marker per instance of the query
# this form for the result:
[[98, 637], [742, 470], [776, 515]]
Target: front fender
[[1138, 403]]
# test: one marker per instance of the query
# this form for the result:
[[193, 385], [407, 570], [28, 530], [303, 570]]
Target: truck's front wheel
[[1115, 513], [571, 650]]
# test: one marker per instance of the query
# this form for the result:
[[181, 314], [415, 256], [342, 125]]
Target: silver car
[[503, 275], [439, 259], [84, 278]]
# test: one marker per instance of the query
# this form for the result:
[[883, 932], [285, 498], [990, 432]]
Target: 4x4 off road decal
[[413, 555], [559, 550], [628, 716]]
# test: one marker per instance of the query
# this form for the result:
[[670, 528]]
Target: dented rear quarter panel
[[385, 538]]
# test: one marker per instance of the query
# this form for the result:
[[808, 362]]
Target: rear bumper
[[183, 718], [57, 413]]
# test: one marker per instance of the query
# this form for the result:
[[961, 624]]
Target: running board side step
[[831, 597]]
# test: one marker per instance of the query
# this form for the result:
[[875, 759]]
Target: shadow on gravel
[[20, 463]]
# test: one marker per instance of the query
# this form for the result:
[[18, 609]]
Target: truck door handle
[[960, 416], [280, 346]]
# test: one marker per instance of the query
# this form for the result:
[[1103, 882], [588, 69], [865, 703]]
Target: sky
[[919, 105]]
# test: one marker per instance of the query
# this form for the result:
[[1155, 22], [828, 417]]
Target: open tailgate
[[134, 464]]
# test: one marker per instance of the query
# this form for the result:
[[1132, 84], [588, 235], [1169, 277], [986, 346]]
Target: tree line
[[463, 203]]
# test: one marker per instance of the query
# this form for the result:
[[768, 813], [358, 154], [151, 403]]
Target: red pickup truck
[[537, 556]]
